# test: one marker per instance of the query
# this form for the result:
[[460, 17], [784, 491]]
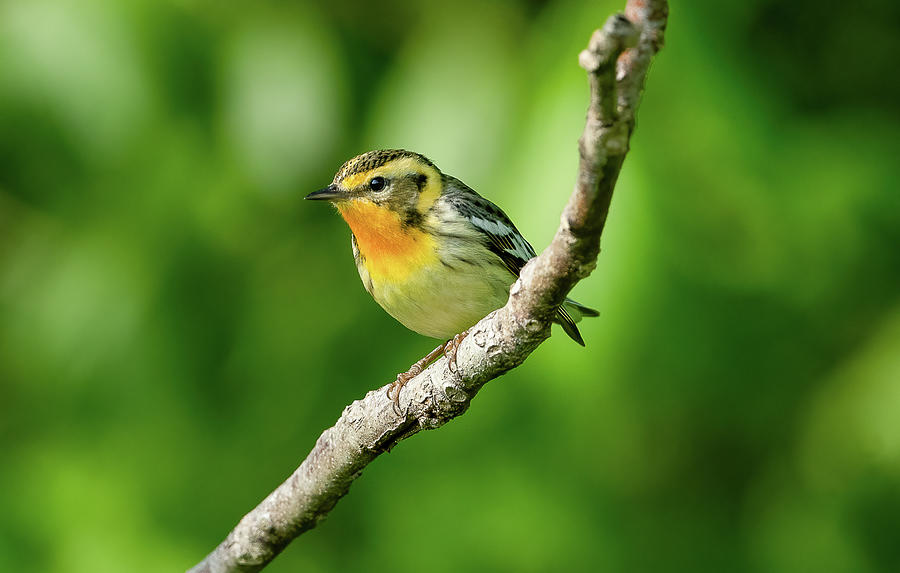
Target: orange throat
[[391, 251]]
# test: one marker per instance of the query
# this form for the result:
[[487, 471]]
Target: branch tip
[[606, 44]]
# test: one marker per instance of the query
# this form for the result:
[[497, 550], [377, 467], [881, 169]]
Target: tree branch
[[499, 342]]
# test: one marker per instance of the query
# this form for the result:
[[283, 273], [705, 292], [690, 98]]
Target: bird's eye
[[377, 183]]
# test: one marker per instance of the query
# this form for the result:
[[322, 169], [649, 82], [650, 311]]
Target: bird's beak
[[330, 193]]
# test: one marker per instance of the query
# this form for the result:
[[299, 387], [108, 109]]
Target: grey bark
[[616, 59]]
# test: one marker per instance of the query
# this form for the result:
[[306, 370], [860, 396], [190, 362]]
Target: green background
[[177, 326]]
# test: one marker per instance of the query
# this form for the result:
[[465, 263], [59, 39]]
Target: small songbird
[[436, 255]]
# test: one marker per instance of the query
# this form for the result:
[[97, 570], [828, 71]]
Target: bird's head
[[403, 182]]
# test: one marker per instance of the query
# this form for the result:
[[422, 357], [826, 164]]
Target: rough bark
[[616, 59]]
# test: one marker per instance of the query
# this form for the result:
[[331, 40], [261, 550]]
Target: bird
[[431, 251]]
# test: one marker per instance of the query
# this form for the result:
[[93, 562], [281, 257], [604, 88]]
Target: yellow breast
[[391, 251]]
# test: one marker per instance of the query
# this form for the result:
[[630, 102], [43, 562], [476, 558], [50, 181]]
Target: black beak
[[330, 193]]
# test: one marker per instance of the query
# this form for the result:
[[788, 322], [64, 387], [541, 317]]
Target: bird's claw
[[451, 348], [448, 349], [393, 391]]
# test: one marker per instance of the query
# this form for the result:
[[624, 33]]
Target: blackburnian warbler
[[436, 255]]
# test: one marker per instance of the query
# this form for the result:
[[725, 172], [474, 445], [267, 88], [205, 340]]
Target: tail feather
[[579, 309], [568, 325], [571, 312]]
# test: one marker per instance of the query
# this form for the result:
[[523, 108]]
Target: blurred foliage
[[177, 327]]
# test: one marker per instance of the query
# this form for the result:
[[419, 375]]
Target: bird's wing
[[507, 242], [503, 239]]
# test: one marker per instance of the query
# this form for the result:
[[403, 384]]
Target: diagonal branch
[[617, 59]]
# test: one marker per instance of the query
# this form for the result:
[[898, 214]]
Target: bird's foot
[[450, 349], [393, 391]]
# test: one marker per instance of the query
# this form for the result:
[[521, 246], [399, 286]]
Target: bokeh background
[[177, 326]]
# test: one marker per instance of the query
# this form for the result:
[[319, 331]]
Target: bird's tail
[[571, 312]]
